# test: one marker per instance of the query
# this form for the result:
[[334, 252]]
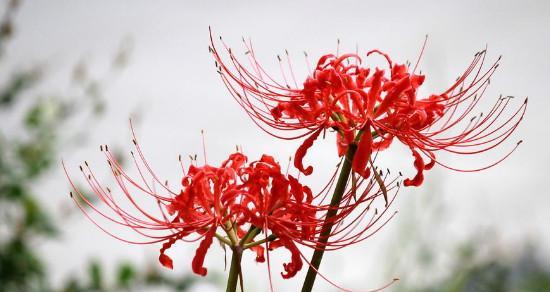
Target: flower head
[[370, 107], [230, 199], [252, 205]]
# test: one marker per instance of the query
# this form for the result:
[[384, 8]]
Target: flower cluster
[[235, 203], [371, 107]]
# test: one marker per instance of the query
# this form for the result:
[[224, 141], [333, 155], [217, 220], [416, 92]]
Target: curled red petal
[[374, 92], [260, 258], [342, 143], [200, 254], [388, 59], [277, 112], [302, 150], [273, 245], [384, 143], [296, 188], [269, 160], [419, 177], [343, 57], [295, 264], [235, 161], [343, 139], [323, 59], [401, 86], [431, 164], [363, 153], [166, 261]]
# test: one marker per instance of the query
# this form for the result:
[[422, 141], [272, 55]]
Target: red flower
[[231, 199], [371, 107], [234, 202]]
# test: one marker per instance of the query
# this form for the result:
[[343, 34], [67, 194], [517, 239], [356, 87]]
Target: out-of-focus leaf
[[36, 219], [16, 85], [36, 156], [6, 26], [89, 197], [125, 275], [34, 117], [12, 191], [99, 107], [121, 57], [93, 90], [20, 268], [44, 115], [96, 275], [72, 285], [467, 252], [6, 29], [425, 256], [153, 276], [185, 283]]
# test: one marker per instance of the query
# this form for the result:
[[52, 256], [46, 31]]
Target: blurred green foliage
[[129, 278], [28, 151], [523, 271], [22, 159], [427, 260]]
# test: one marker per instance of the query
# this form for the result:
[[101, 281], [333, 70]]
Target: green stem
[[223, 239], [327, 226], [235, 269], [252, 232], [261, 241]]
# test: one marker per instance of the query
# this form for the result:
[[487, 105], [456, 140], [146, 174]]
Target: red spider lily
[[231, 197], [371, 107], [240, 199]]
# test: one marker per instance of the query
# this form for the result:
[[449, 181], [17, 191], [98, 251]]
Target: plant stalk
[[327, 226], [235, 269]]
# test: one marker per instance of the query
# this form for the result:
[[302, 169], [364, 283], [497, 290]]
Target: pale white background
[[171, 81]]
